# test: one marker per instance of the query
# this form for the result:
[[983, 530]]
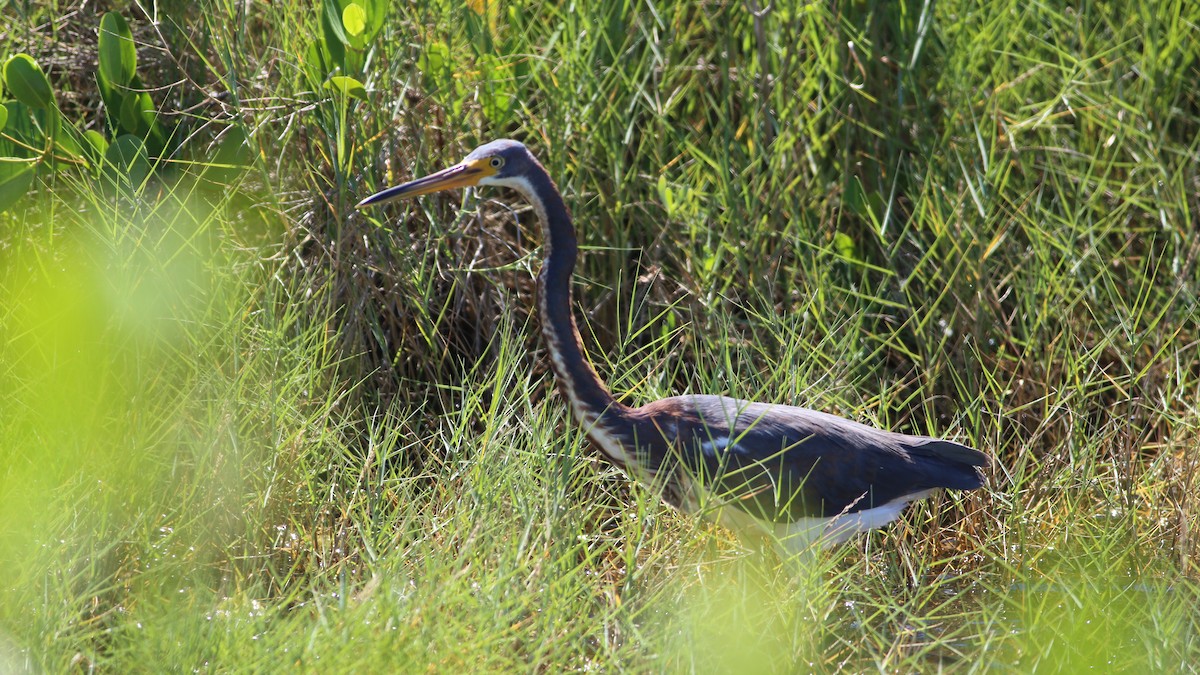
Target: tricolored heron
[[800, 475]]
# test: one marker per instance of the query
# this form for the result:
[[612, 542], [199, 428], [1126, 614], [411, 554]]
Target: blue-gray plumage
[[800, 475]]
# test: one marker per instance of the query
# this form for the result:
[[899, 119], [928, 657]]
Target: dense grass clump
[[245, 427]]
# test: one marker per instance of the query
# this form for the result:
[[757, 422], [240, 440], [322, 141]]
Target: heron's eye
[[497, 162]]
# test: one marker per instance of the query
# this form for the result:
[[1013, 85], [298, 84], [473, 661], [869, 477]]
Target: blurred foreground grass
[[246, 428]]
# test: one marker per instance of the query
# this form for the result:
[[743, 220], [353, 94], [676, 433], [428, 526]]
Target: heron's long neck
[[578, 381]]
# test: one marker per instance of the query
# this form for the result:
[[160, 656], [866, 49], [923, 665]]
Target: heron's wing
[[782, 463]]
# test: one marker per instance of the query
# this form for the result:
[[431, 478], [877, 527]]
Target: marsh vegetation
[[244, 427]]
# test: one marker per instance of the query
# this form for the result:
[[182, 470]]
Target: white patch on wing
[[804, 535], [840, 528], [714, 445]]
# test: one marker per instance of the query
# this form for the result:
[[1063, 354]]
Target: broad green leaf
[[354, 18], [137, 113], [112, 98], [49, 120], [333, 22], [844, 246], [332, 45], [234, 153], [235, 148], [348, 86], [27, 83], [94, 145], [21, 128], [3, 117], [67, 144], [866, 205], [376, 16], [666, 195], [316, 63], [127, 157], [498, 90], [118, 55], [434, 60], [13, 186]]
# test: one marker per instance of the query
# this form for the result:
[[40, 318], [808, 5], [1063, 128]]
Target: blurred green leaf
[[27, 83], [68, 145], [127, 157], [118, 54], [49, 121], [330, 50], [868, 205], [666, 195], [317, 62], [347, 86], [94, 146], [112, 103], [21, 128], [15, 184], [376, 17], [434, 61], [436, 65], [137, 113], [234, 153], [499, 90], [845, 246], [3, 117], [333, 22], [354, 18]]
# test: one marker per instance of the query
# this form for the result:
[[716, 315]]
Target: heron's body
[[798, 474]]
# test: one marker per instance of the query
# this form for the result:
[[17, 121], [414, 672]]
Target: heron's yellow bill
[[463, 174]]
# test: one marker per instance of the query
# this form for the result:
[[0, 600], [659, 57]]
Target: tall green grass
[[251, 429]]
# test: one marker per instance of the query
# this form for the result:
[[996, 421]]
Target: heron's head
[[505, 163]]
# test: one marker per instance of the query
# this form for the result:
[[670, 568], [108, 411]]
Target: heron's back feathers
[[783, 463]]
